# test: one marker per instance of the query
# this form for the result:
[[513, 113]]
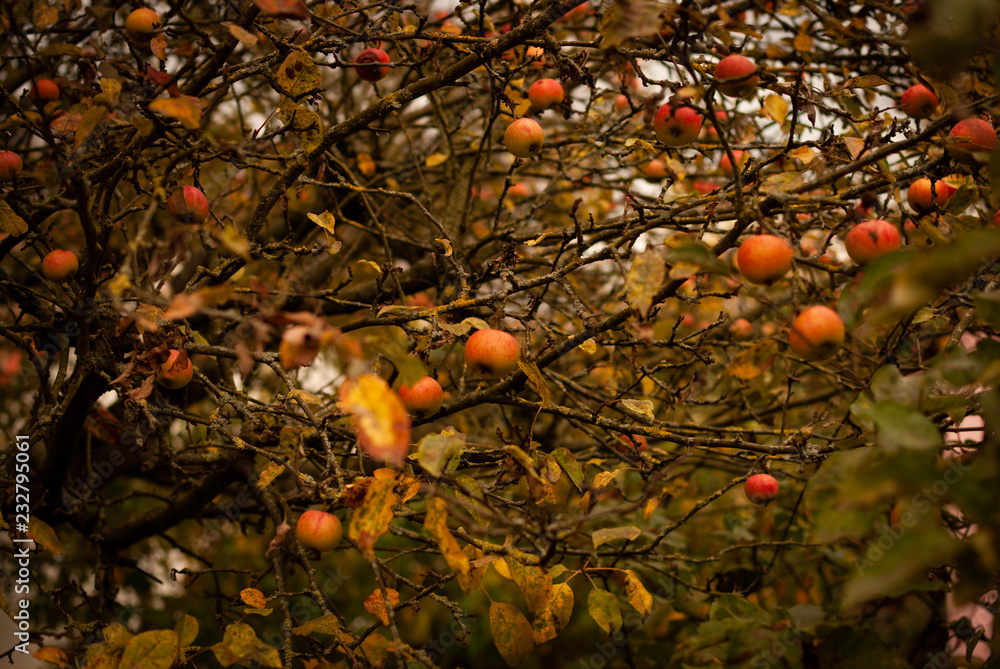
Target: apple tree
[[553, 333]]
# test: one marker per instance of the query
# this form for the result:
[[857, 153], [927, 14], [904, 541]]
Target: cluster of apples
[[524, 137]]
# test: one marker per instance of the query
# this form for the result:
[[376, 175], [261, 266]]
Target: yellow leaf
[[536, 380], [776, 108], [589, 346], [272, 472], [501, 566], [247, 39], [299, 75], [604, 478], [804, 154], [638, 596], [751, 362], [448, 250], [371, 520], [187, 630], [534, 582], [436, 524], [151, 650], [803, 43], [511, 633], [379, 417], [111, 87], [10, 222], [607, 534], [604, 609], [555, 615], [45, 536], [855, 146], [375, 603], [88, 122], [642, 407], [644, 280], [436, 159], [186, 109], [53, 655], [253, 597], [649, 507]]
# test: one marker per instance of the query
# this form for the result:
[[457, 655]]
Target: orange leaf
[[375, 603], [253, 597], [436, 523], [186, 109], [380, 419], [371, 520]]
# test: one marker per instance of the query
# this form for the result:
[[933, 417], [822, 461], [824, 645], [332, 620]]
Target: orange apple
[[177, 371], [545, 93], [870, 240], [655, 170], [919, 194], [524, 138], [764, 259], [491, 353], [319, 530], [726, 165], [60, 266], [817, 333], [741, 328], [423, 398], [141, 23], [42, 91]]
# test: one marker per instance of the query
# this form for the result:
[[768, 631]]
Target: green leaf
[[900, 427], [435, 451], [569, 465]]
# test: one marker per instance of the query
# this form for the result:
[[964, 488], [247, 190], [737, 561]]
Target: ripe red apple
[[60, 266], [545, 93], [42, 91], [176, 372], [372, 61], [817, 333], [319, 530], [524, 138], [423, 398], [10, 166], [188, 205], [655, 170], [918, 101], [870, 240], [981, 138], [764, 259], [676, 126], [761, 489], [740, 329], [919, 194], [491, 353], [726, 165], [142, 22], [737, 76]]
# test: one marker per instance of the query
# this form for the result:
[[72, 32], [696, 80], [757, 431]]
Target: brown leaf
[[10, 222], [371, 520], [375, 603]]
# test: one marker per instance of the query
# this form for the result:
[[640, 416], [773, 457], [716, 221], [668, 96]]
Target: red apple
[[518, 191], [188, 205], [726, 165], [761, 489], [655, 170], [524, 138], [10, 166], [764, 259], [319, 530], [918, 102], [980, 138], [42, 91], [176, 372], [740, 329], [372, 61], [491, 353], [870, 240], [817, 333], [919, 194], [423, 398], [676, 126], [141, 23], [737, 76], [60, 266], [545, 93]]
